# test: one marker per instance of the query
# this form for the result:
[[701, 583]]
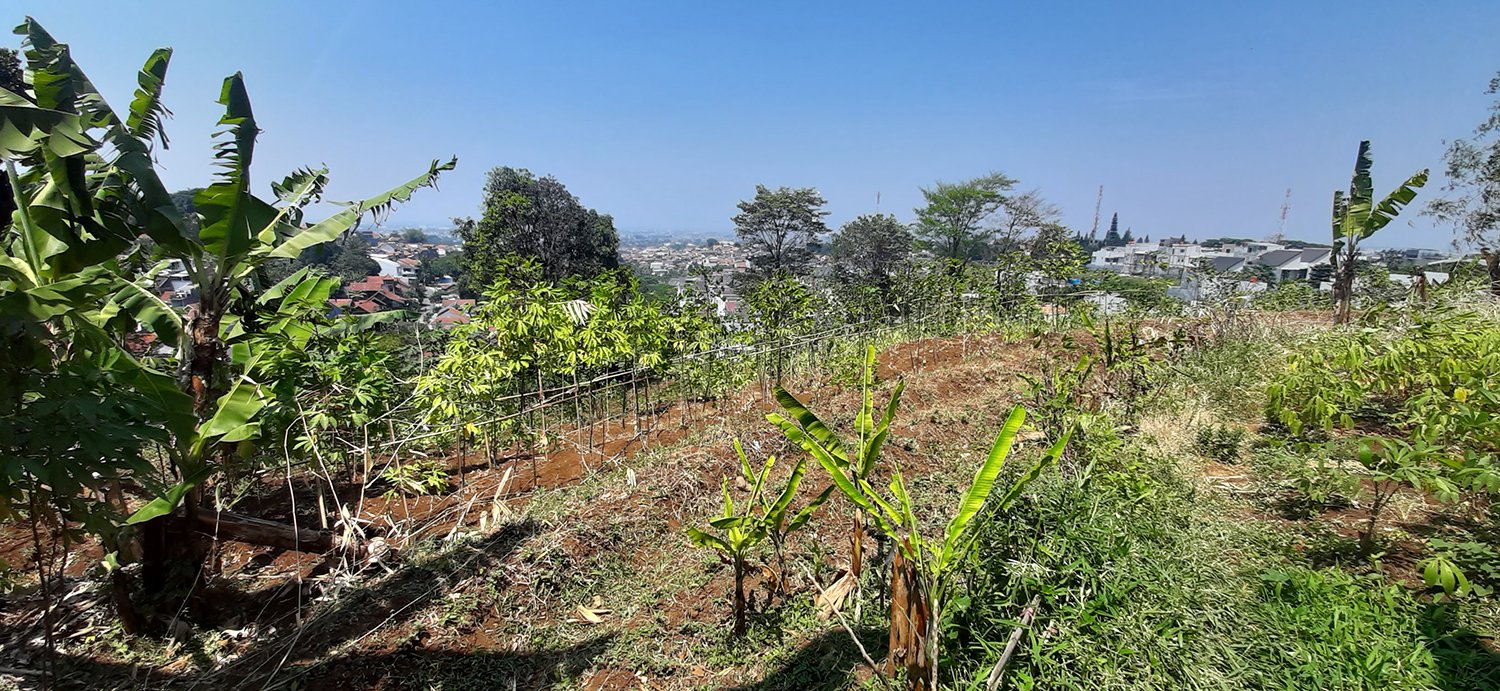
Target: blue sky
[[1196, 117]]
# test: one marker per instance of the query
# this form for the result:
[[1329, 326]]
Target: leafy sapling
[[759, 519]]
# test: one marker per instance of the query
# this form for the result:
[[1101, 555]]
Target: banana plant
[[759, 518], [816, 438], [86, 187], [924, 568], [1356, 217]]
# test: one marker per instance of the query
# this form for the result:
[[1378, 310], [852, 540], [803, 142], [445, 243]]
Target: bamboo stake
[[998, 673]]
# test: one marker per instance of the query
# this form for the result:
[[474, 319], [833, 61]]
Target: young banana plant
[[1357, 216], [822, 443], [740, 530], [924, 567]]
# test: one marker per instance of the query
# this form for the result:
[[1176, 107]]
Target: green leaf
[[146, 110], [1391, 206], [779, 507], [703, 539], [231, 419], [810, 422], [164, 504], [984, 480], [24, 127], [227, 207], [882, 432], [727, 522], [1360, 200], [834, 468], [146, 307], [335, 225], [1048, 459]]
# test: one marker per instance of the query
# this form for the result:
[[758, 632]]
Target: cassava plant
[[1391, 464], [759, 518]]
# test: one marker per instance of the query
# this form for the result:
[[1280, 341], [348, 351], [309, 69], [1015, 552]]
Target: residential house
[[377, 294], [1293, 265], [450, 313], [406, 268], [174, 286]]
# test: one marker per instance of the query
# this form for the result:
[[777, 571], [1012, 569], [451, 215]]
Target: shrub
[[1220, 442]]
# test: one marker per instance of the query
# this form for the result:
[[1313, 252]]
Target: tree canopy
[[955, 220], [537, 218], [1472, 203], [778, 226], [1026, 212], [870, 251]]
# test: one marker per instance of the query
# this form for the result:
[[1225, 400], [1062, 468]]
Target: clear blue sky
[[1195, 116]]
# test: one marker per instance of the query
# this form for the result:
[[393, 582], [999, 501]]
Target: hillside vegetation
[[940, 457]]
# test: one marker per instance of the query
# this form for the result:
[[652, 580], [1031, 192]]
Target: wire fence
[[584, 412]]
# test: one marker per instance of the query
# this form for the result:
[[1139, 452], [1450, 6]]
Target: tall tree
[[1027, 211], [1112, 238], [777, 226], [955, 220], [870, 251], [537, 218], [1473, 201]]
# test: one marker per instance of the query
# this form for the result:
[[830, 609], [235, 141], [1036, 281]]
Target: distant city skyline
[[1196, 118]]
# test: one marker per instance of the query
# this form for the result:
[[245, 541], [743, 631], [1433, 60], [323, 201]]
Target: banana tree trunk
[[912, 637], [172, 552], [1343, 291], [857, 544], [739, 597]]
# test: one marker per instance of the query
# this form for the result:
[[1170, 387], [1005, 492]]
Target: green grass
[[1148, 582], [1159, 592]]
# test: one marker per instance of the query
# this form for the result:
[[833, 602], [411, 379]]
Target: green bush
[[1220, 442]]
